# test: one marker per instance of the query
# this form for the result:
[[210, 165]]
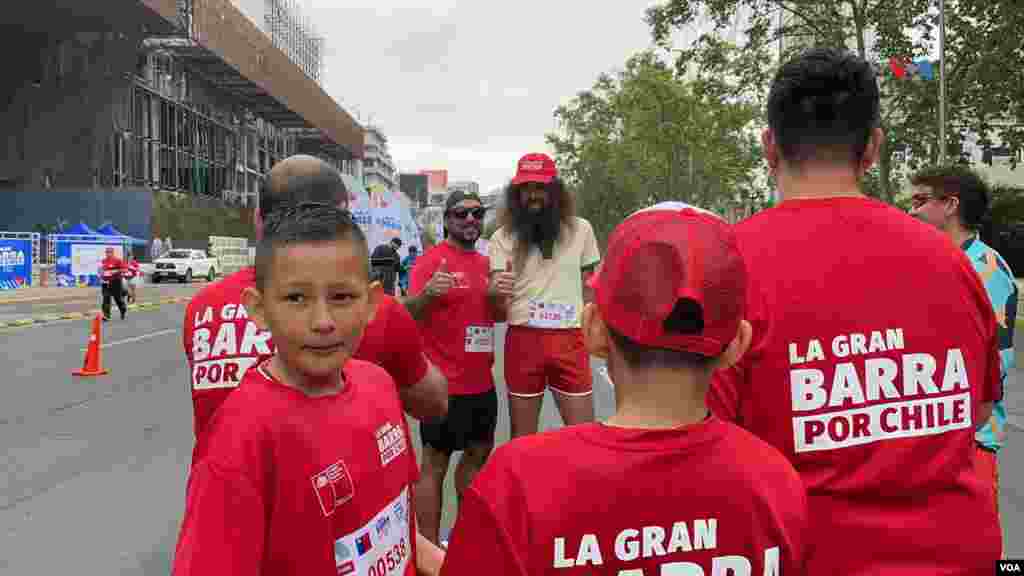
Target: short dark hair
[[962, 182], [823, 106], [303, 223], [683, 319], [322, 183]]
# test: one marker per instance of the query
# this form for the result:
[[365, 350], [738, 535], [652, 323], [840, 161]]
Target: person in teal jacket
[[955, 199], [407, 264]]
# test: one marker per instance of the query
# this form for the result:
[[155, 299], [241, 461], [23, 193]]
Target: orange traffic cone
[[92, 365]]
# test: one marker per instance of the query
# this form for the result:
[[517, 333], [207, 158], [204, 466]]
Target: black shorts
[[471, 419]]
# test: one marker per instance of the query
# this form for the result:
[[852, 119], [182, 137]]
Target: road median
[[71, 316]]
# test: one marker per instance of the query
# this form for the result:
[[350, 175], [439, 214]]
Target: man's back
[[873, 346], [709, 494]]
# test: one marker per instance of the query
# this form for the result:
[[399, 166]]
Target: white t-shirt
[[548, 293]]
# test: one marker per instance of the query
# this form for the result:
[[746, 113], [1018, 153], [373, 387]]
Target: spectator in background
[[407, 263], [158, 248], [133, 277], [386, 261], [954, 199], [112, 272]]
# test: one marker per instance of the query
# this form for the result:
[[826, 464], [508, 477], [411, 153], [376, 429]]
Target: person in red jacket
[[221, 341], [308, 468], [662, 487], [133, 278], [112, 273]]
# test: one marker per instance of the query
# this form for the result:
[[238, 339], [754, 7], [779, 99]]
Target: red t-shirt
[[649, 501], [458, 328], [289, 484], [873, 342], [221, 343], [112, 267]]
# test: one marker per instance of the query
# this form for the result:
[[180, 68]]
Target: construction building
[[378, 166], [185, 96]]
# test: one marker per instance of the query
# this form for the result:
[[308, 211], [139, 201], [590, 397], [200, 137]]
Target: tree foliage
[[984, 56], [641, 136]]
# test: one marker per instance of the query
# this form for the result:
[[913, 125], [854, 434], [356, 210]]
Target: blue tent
[[109, 230], [80, 229]]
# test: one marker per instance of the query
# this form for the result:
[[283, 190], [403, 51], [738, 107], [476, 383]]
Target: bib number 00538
[[396, 557]]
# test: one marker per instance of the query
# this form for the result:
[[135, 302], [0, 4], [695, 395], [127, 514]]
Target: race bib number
[[379, 548], [479, 339], [551, 314]]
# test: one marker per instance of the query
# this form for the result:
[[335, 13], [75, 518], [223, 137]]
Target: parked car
[[184, 265]]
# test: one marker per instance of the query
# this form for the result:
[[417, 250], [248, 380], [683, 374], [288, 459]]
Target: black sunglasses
[[462, 213]]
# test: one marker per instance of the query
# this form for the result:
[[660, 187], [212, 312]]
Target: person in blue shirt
[[955, 199], [407, 264]]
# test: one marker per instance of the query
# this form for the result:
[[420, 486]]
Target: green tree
[[984, 64], [641, 136]]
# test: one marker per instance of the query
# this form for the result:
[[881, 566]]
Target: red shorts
[[538, 358]]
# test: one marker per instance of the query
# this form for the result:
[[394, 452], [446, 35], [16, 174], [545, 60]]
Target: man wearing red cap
[[550, 252], [662, 487]]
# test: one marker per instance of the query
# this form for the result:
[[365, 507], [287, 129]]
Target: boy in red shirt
[[307, 468], [875, 351], [662, 487], [221, 342]]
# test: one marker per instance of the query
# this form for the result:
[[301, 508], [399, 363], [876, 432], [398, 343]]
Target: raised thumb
[[444, 266], [508, 265]]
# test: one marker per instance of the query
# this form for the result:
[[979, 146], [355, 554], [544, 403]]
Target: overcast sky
[[469, 85]]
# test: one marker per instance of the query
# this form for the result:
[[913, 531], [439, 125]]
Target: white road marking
[[137, 338]]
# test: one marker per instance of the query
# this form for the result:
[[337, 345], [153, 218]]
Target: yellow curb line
[[49, 318]]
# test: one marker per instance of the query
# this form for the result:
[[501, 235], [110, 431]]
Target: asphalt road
[[84, 300], [95, 469]]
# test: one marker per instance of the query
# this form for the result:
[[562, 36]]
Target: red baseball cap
[[673, 259], [535, 167]]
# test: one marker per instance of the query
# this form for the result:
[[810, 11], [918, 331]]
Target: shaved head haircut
[[302, 178]]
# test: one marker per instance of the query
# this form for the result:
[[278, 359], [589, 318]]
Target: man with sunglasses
[[954, 199], [449, 297]]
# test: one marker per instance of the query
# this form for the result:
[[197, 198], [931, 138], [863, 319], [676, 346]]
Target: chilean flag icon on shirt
[[363, 544], [333, 487]]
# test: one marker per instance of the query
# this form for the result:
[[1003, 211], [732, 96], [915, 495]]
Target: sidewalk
[[38, 293]]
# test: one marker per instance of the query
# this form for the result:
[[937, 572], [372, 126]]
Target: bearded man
[[546, 254]]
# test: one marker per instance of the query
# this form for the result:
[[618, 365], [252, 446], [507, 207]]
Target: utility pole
[[942, 82]]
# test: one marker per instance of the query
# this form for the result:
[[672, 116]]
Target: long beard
[[540, 229]]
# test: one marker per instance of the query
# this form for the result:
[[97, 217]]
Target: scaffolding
[[293, 33]]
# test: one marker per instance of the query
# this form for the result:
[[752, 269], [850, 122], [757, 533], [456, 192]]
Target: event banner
[[358, 204], [410, 230], [386, 212], [15, 263], [78, 261]]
